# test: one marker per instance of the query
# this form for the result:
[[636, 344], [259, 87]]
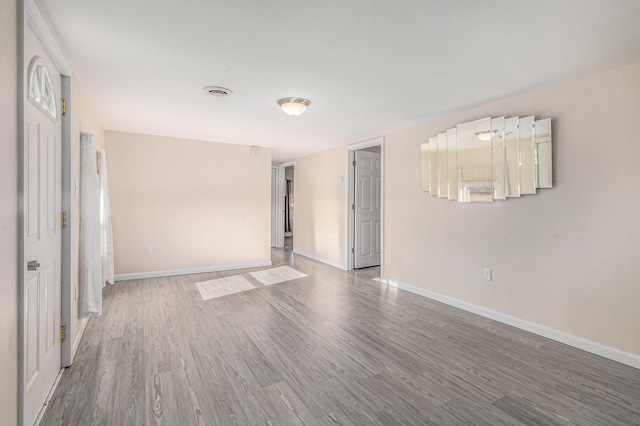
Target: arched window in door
[[41, 87]]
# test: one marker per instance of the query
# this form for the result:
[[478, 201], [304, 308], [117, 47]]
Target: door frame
[[282, 189], [31, 17], [350, 200]]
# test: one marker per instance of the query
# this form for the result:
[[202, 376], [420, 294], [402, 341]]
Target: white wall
[[9, 212], [197, 204], [566, 258], [563, 260], [321, 206]]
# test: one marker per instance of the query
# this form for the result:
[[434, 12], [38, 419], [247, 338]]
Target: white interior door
[[42, 233], [368, 185]]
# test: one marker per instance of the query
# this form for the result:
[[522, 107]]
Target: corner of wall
[[11, 55]]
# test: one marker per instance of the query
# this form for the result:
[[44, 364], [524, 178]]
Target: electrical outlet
[[235, 245], [148, 251], [487, 274]]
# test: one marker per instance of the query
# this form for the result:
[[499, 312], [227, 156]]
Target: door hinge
[[64, 107], [353, 250], [63, 333], [64, 220], [354, 163], [353, 206]]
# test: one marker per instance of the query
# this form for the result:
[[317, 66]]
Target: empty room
[[314, 213]]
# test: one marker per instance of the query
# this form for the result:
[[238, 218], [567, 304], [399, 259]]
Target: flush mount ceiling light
[[217, 91], [294, 106], [486, 135]]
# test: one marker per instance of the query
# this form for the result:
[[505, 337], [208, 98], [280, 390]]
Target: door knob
[[33, 265]]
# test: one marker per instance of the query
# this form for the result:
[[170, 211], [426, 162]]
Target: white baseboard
[[173, 272], [622, 357], [76, 342], [319, 259]]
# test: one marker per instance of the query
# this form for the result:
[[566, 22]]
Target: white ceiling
[[368, 66]]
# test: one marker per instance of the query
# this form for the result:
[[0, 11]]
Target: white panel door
[[42, 233], [368, 187]]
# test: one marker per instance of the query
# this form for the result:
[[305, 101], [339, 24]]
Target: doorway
[[274, 206], [46, 296], [42, 240], [289, 206], [285, 218], [366, 204]]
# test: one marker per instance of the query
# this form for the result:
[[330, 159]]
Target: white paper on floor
[[277, 275], [223, 286]]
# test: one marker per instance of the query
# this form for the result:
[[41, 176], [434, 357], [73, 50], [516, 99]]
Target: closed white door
[[368, 187], [42, 232]]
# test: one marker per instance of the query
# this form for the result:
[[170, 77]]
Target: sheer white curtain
[[106, 249], [96, 241]]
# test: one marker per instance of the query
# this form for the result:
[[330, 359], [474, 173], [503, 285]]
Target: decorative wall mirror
[[544, 171], [452, 160], [488, 159]]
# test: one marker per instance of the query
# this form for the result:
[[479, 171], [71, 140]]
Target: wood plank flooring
[[334, 347]]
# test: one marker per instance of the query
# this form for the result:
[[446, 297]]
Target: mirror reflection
[[498, 161], [544, 171], [489, 159], [474, 161], [452, 159], [512, 156], [424, 166], [433, 165], [443, 184], [527, 157]]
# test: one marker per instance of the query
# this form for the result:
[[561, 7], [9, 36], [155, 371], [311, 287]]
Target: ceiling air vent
[[218, 91]]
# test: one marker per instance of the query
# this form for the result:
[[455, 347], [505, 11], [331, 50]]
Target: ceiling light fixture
[[294, 106], [486, 135]]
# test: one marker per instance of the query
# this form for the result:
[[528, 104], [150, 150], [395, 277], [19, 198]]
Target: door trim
[[39, 26], [350, 199], [69, 267], [31, 17]]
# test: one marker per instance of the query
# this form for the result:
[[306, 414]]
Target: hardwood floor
[[334, 347]]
